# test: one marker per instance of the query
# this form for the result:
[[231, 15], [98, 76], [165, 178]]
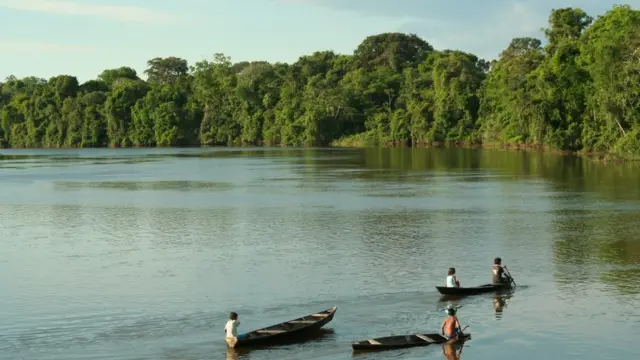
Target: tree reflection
[[597, 245], [569, 173]]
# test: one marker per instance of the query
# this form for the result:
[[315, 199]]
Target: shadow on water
[[315, 337]]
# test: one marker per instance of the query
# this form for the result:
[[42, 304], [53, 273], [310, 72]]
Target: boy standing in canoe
[[451, 327], [231, 329]]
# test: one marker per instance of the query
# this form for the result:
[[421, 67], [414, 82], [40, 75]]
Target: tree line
[[578, 92]]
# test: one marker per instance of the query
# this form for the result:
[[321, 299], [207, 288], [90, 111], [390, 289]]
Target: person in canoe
[[451, 279], [498, 274], [451, 327], [231, 329]]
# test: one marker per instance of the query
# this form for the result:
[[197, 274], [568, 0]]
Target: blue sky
[[83, 37]]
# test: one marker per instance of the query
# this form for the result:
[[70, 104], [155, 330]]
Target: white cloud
[[485, 36], [37, 47], [127, 13]]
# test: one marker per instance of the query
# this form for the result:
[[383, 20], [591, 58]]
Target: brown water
[[141, 254]]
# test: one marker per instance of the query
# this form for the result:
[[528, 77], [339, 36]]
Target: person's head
[[452, 271], [233, 316], [451, 311], [497, 261]]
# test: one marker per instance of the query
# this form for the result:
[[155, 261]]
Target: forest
[[579, 92]]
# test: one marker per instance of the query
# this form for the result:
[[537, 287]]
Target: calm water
[[141, 254]]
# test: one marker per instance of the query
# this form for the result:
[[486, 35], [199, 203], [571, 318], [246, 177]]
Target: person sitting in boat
[[451, 279], [499, 275], [451, 325]]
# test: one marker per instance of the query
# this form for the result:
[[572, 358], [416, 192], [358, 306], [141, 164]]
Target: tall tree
[[166, 70]]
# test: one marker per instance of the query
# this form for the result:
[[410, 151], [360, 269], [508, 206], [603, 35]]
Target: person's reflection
[[450, 352], [499, 303], [232, 354]]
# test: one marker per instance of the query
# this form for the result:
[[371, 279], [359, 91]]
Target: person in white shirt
[[451, 279], [231, 328]]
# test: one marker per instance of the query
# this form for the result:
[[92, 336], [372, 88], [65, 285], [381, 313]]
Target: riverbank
[[361, 141], [352, 142]]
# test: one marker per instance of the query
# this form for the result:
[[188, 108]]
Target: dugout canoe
[[404, 341], [486, 288], [292, 330]]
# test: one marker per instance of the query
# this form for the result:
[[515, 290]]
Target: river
[[136, 254]]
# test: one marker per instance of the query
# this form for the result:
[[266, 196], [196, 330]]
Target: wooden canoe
[[472, 290], [404, 341], [291, 330]]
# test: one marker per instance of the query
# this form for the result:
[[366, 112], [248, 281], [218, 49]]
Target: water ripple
[[108, 260]]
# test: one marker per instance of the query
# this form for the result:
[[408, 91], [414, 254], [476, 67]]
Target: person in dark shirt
[[499, 275]]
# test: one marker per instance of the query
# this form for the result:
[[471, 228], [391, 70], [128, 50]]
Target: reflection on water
[[232, 354], [598, 245], [240, 353], [623, 282], [145, 185], [452, 351], [499, 304], [141, 254]]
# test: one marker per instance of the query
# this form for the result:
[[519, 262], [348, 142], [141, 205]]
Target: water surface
[[141, 254]]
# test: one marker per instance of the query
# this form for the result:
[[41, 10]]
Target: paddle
[[511, 277], [461, 332]]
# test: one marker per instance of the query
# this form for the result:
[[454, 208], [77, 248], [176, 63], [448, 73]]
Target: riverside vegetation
[[579, 92]]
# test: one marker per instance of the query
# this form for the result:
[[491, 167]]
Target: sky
[[46, 38]]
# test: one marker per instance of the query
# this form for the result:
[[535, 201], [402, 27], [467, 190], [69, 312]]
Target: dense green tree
[[508, 112], [166, 70], [110, 76], [609, 53], [578, 92], [118, 109], [394, 50]]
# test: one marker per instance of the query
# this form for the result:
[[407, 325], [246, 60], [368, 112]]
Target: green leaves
[[580, 92]]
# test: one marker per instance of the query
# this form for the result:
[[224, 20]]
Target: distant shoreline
[[592, 156]]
